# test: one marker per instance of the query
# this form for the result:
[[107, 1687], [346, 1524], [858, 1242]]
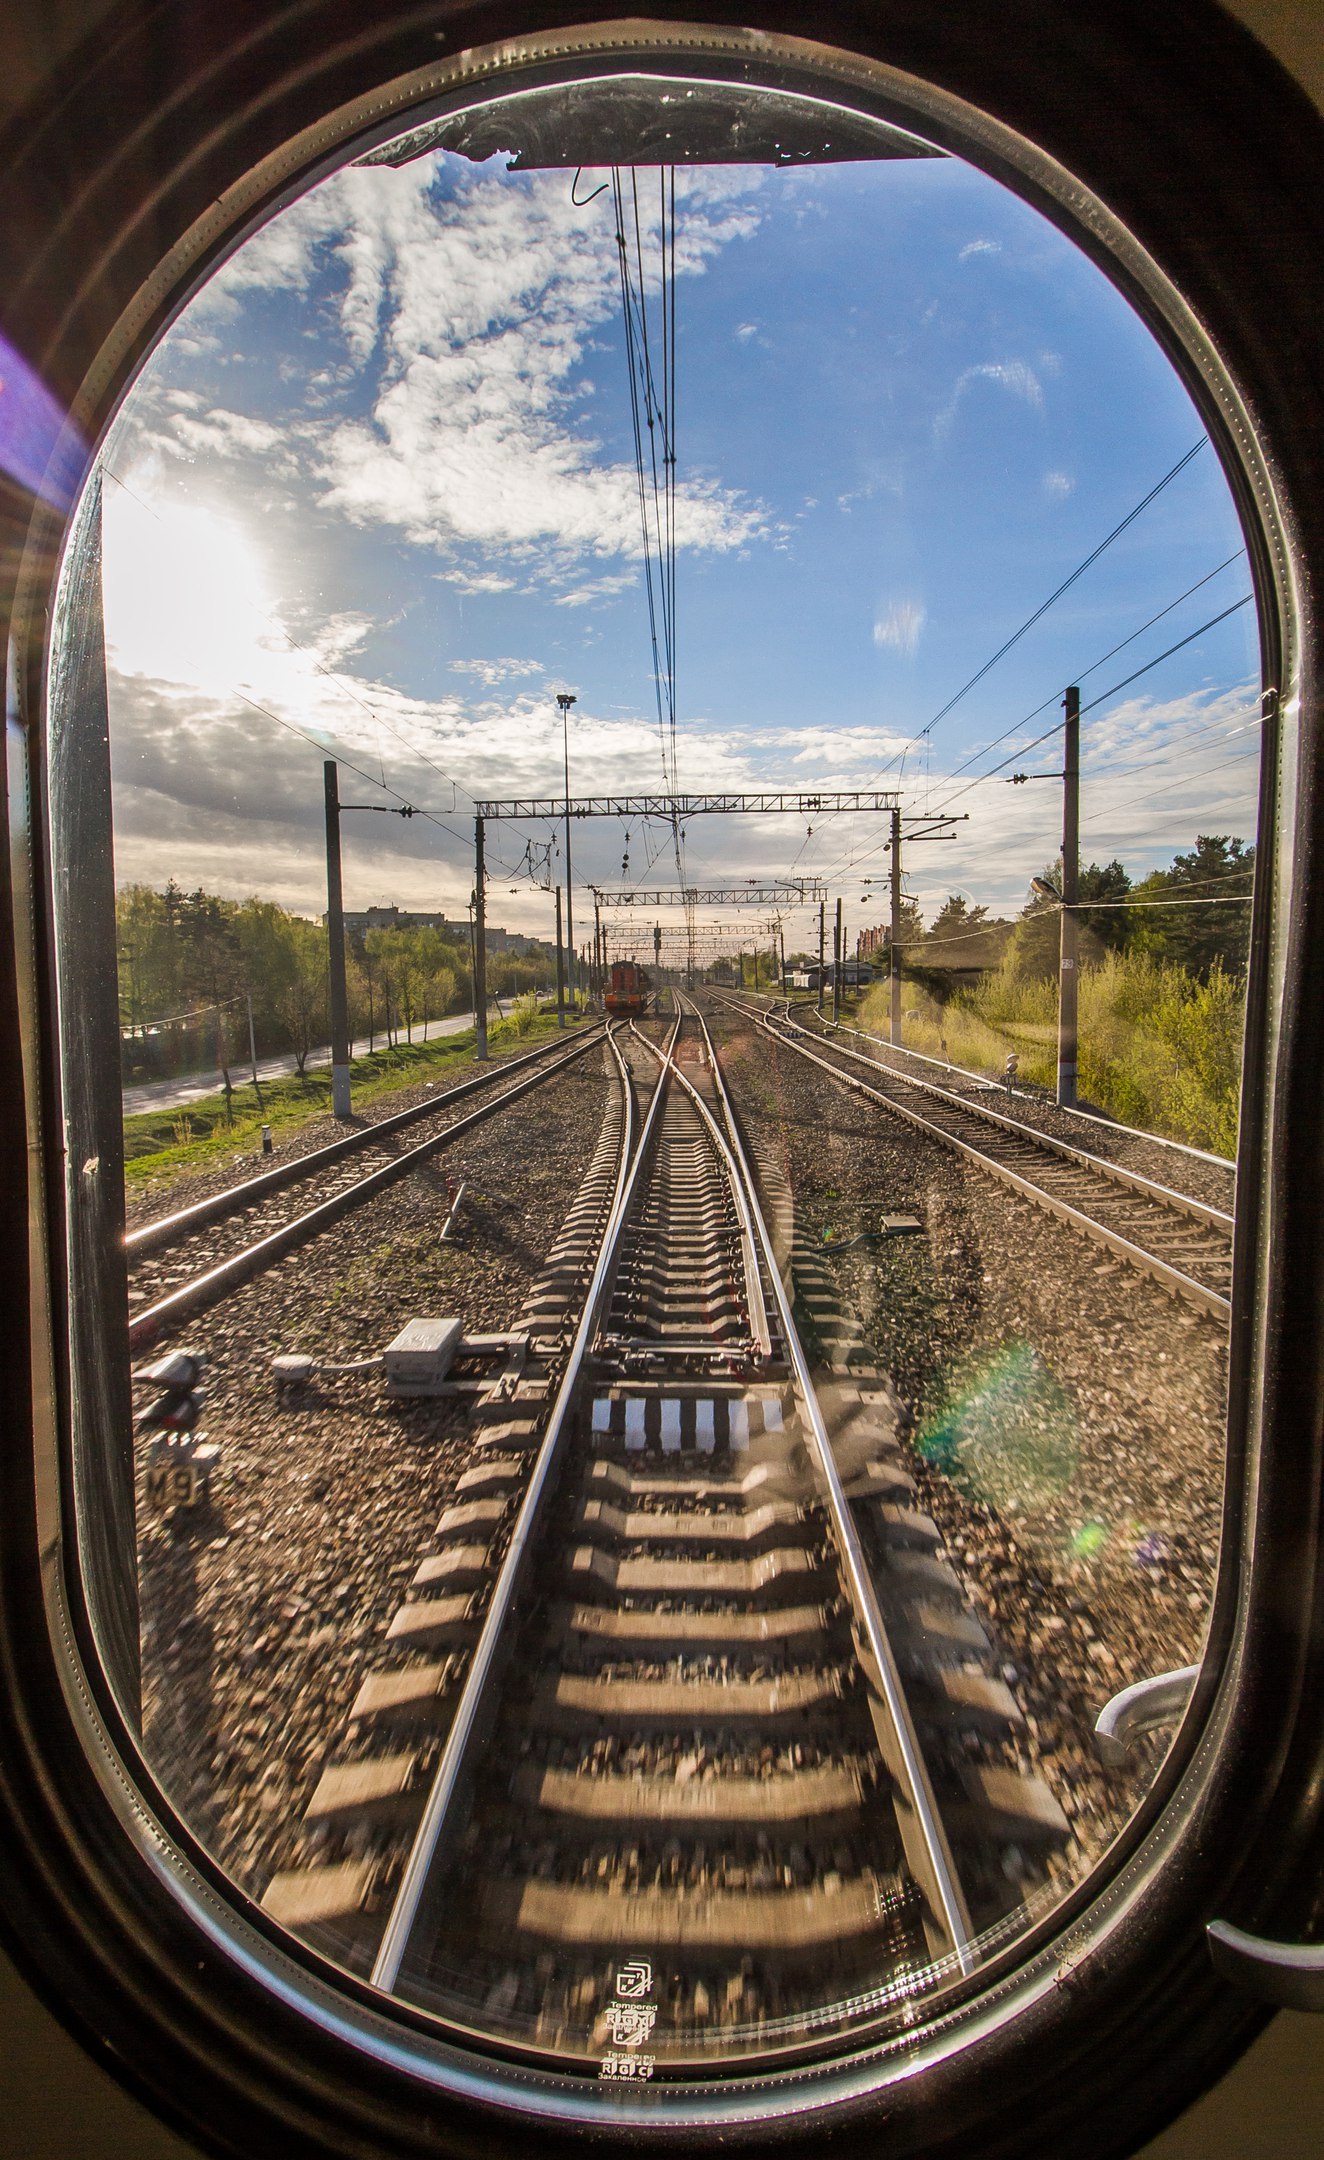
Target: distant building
[[495, 939], [854, 975], [872, 941]]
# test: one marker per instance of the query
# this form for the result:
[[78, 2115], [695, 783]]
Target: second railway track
[[690, 1743], [1179, 1241], [182, 1262]]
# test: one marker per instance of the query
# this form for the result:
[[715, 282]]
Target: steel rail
[[167, 1229], [404, 1912], [758, 1309], [935, 1858], [1196, 1293], [204, 1289], [1199, 1210]]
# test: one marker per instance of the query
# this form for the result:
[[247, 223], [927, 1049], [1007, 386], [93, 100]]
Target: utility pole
[[836, 968], [599, 968], [560, 966], [781, 946], [480, 944], [1069, 975], [252, 1051], [822, 950], [896, 927], [335, 949], [565, 699]]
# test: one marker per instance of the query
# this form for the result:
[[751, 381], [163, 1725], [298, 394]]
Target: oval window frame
[[1084, 1954]]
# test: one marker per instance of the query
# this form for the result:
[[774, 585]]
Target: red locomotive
[[627, 996]]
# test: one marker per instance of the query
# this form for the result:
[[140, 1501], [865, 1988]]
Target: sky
[[374, 496]]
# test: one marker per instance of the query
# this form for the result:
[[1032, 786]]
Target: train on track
[[629, 990]]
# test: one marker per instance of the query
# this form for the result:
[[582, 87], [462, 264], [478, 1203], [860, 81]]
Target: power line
[[1094, 665], [1151, 793], [1158, 659], [1065, 586]]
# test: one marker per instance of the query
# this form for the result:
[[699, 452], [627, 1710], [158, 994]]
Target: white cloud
[[478, 581], [495, 671], [1014, 376], [979, 247], [598, 589], [746, 330], [1057, 486], [228, 434], [901, 626], [475, 297]]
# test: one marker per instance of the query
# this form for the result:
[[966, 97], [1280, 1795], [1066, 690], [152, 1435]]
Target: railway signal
[[180, 1463]]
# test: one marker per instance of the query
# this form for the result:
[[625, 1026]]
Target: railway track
[[690, 1744], [220, 1241], [1181, 1242]]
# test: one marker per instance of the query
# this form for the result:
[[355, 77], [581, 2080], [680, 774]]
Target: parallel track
[[1180, 1242], [715, 1707], [256, 1204]]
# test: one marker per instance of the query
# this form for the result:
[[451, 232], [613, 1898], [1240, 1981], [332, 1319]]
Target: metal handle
[[1141, 1709], [1289, 1975]]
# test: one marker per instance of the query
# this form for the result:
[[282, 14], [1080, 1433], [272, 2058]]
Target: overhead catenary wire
[[1082, 674], [1064, 587]]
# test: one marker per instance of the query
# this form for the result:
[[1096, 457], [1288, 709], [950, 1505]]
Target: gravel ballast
[[261, 1614], [1066, 1417]]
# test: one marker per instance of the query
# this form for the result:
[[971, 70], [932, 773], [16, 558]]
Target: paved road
[[177, 1094]]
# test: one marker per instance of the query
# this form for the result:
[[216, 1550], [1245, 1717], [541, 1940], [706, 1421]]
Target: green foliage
[[522, 1018], [1159, 1047], [192, 964], [161, 1145], [1199, 937]]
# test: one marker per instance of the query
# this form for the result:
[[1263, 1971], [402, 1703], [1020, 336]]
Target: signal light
[[179, 1406]]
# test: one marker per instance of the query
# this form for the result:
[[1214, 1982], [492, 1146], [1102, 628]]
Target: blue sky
[[377, 485]]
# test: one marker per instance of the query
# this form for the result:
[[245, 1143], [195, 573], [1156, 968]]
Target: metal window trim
[[1084, 1949]]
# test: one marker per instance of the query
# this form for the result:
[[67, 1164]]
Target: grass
[[163, 1144], [1159, 1049]]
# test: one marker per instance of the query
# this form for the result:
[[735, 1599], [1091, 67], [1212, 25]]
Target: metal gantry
[[775, 804], [783, 892]]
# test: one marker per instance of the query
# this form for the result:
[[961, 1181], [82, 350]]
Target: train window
[[658, 793]]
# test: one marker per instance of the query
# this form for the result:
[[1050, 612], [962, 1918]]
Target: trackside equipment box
[[422, 1354]]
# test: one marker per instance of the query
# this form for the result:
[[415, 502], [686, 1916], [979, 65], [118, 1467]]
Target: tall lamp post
[[565, 699]]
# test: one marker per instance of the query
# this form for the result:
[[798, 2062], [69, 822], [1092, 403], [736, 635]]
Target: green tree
[[1203, 936], [302, 995], [214, 967]]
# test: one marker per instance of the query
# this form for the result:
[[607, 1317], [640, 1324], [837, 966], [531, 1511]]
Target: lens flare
[[1007, 1434]]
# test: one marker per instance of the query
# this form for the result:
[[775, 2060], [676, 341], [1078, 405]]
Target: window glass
[[655, 739]]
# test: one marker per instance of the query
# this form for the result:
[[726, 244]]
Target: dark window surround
[[1210, 158]]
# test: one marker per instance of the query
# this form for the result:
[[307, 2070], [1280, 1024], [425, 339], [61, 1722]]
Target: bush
[[1159, 1048]]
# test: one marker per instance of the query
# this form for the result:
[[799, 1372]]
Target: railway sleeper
[[689, 1526], [769, 1922], [642, 1485], [687, 1702], [716, 1630], [826, 1790], [687, 1579], [404, 1696], [377, 1791]]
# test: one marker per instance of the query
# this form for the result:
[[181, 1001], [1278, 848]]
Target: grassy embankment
[[159, 1144], [1159, 1049]]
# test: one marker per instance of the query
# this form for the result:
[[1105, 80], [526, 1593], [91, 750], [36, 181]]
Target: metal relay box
[[422, 1354]]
